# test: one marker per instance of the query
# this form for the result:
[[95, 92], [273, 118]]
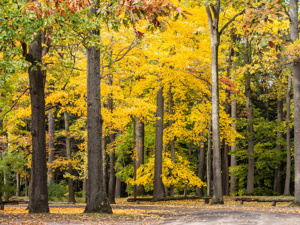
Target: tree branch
[[15, 102], [230, 21]]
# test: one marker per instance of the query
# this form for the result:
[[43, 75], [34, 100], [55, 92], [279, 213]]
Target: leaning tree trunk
[[278, 178], [51, 156], [159, 190], [248, 92], [38, 201], [140, 133], [288, 139], [296, 78], [214, 36], [97, 200], [69, 157], [201, 165]]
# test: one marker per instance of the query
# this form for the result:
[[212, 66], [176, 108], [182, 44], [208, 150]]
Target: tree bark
[[69, 157], [278, 178], [112, 154], [140, 130], [51, 156], [159, 190], [214, 35], [97, 200], [201, 165], [134, 149], [38, 201], [294, 29], [118, 185], [5, 182], [208, 160], [233, 162], [248, 93], [172, 142], [18, 184], [288, 139]]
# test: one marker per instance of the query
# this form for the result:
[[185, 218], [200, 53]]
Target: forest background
[[160, 90]]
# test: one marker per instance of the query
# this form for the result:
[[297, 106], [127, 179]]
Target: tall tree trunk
[[288, 139], [18, 183], [159, 190], [201, 165], [214, 36], [51, 156], [118, 185], [105, 171], [225, 168], [172, 142], [208, 160], [134, 149], [5, 182], [38, 201], [69, 157], [112, 154], [140, 130], [233, 162], [248, 92], [278, 178], [294, 29], [97, 200]]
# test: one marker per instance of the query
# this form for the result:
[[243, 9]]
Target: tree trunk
[[5, 182], [134, 149], [51, 156], [97, 200], [189, 158], [172, 142], [208, 160], [105, 171], [118, 185], [159, 190], [214, 35], [233, 162], [278, 178], [18, 184], [248, 92], [112, 154], [225, 168], [140, 130], [296, 78], [201, 165], [69, 157], [288, 139], [38, 202]]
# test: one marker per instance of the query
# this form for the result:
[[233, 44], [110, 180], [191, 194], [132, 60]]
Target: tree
[[159, 190], [294, 30]]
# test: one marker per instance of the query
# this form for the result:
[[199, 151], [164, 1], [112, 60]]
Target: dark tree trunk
[[201, 165], [278, 179], [172, 142], [38, 201], [248, 93], [208, 160], [51, 156], [97, 200], [105, 171], [69, 157], [5, 182], [112, 154], [18, 184], [140, 130], [159, 190], [214, 36], [225, 168], [288, 139], [118, 186], [294, 29]]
